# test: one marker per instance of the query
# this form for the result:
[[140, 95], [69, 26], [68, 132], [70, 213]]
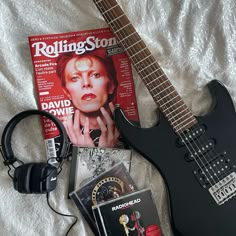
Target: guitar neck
[[162, 91]]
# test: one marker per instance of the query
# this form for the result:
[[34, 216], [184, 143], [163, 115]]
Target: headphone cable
[[73, 216], [8, 164]]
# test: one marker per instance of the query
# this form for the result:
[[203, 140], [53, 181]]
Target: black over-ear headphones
[[33, 177]]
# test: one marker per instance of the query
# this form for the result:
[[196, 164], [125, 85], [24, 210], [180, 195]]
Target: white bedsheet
[[193, 41]]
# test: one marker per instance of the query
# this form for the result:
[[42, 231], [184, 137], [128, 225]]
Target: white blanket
[[193, 41]]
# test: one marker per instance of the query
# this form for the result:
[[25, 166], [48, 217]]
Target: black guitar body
[[193, 210]]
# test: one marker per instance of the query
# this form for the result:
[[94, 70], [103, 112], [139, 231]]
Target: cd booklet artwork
[[132, 215], [113, 183], [90, 162]]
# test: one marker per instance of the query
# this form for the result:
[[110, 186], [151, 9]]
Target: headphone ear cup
[[49, 178], [28, 177], [35, 178], [21, 180], [38, 178]]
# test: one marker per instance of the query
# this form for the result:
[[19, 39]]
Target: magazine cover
[[89, 162], [79, 77], [111, 184], [132, 215]]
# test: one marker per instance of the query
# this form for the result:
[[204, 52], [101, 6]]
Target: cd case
[[89, 162], [132, 214], [114, 183]]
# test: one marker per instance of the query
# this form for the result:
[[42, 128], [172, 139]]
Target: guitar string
[[202, 139], [108, 20], [113, 19], [202, 149], [186, 144], [203, 154], [203, 172], [206, 153], [212, 157]]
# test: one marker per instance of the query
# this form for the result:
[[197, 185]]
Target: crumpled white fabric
[[193, 41]]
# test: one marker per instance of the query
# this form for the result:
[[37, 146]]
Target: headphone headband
[[8, 154]]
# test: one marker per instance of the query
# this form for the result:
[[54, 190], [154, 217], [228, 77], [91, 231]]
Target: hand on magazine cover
[[77, 137], [109, 132]]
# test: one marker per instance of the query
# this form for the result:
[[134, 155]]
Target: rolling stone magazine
[[46, 51]]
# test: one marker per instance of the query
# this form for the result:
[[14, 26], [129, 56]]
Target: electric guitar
[[196, 156]]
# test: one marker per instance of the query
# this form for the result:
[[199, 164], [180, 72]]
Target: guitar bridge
[[224, 189]]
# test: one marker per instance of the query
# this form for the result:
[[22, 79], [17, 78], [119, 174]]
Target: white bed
[[193, 41]]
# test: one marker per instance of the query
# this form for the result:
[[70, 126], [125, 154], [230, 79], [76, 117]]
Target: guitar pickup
[[218, 168], [191, 135], [197, 149]]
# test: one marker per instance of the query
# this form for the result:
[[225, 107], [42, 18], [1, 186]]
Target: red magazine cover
[[79, 77]]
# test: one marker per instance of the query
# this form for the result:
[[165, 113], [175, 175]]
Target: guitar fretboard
[[162, 91]]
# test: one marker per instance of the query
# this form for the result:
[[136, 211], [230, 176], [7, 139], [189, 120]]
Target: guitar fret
[[150, 82], [182, 118], [164, 104], [171, 118], [117, 18], [109, 9], [143, 59], [138, 52], [166, 96], [133, 44], [173, 106], [127, 37], [122, 28], [163, 89], [193, 120], [147, 67], [182, 122], [151, 73]]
